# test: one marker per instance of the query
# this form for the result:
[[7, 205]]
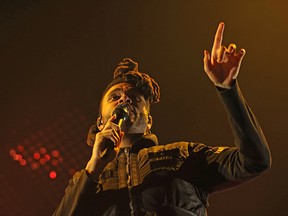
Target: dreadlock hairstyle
[[127, 72]]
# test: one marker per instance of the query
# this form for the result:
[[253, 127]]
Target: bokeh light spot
[[36, 156], [43, 150], [12, 152], [55, 153], [17, 157], [20, 148], [42, 161], [52, 174], [47, 157], [23, 162], [35, 165]]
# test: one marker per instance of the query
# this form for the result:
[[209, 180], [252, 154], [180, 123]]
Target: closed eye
[[136, 98]]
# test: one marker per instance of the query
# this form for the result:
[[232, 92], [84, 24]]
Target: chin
[[134, 129]]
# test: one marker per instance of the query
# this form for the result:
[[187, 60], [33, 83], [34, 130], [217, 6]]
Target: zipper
[[129, 185]]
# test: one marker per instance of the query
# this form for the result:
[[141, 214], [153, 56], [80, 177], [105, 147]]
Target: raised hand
[[222, 66], [109, 132]]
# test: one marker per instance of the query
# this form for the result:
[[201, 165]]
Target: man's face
[[124, 93]]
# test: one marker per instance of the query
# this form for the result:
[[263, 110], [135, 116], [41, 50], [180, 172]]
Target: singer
[[129, 173]]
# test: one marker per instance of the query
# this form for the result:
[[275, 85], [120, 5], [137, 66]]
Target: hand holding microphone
[[122, 114], [106, 141]]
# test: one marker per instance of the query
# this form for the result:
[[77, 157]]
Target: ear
[[99, 123], [150, 122]]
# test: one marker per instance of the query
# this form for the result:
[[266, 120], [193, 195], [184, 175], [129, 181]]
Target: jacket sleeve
[[79, 195], [221, 168]]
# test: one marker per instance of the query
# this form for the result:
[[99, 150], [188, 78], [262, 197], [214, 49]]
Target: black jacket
[[172, 179]]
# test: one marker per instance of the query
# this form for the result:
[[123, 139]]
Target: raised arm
[[231, 166]]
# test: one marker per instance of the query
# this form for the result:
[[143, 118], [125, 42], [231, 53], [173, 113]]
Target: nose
[[125, 99]]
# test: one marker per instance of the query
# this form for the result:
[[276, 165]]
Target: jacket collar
[[146, 141]]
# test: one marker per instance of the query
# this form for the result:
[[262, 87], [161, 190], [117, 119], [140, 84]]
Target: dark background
[[57, 56]]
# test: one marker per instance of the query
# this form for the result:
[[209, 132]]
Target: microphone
[[122, 114]]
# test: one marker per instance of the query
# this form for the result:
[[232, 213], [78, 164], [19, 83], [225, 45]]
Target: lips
[[130, 109]]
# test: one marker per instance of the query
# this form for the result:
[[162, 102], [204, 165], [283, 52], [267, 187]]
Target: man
[[136, 176]]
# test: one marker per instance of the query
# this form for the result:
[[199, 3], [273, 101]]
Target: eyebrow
[[114, 90]]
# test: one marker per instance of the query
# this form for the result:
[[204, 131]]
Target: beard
[[133, 120], [135, 124]]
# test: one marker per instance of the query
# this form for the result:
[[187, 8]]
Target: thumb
[[207, 62]]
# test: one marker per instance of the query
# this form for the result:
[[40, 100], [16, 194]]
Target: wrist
[[222, 86], [95, 167]]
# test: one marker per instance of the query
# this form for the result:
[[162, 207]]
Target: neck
[[129, 140]]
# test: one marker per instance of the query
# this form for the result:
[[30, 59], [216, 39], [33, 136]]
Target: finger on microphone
[[121, 134]]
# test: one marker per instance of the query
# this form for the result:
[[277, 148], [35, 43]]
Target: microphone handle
[[110, 144]]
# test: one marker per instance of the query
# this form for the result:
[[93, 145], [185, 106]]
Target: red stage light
[[52, 174], [43, 161], [43, 150], [36, 156], [35, 165], [55, 153], [20, 148], [23, 162], [47, 157], [17, 157], [12, 152]]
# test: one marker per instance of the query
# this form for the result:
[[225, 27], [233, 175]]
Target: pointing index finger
[[218, 38]]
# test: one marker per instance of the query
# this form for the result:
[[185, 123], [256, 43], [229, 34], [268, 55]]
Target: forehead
[[122, 87]]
